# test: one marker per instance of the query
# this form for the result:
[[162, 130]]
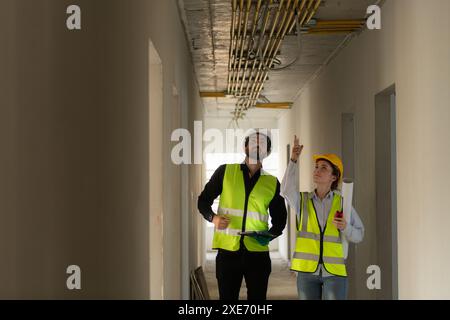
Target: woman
[[319, 256]]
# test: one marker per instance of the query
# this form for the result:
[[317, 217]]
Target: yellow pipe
[[274, 105], [269, 40], [339, 22], [241, 55], [233, 76], [211, 94], [331, 32], [336, 27], [300, 10], [266, 20], [270, 43], [230, 53], [255, 22], [305, 15], [314, 11], [283, 28]]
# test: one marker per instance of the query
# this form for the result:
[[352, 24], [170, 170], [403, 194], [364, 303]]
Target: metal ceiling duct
[[236, 44], [254, 46]]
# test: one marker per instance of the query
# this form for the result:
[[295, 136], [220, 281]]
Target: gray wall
[[74, 145], [414, 57]]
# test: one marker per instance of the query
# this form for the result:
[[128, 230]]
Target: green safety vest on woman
[[232, 204], [316, 246]]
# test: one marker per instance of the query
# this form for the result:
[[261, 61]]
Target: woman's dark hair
[[335, 173], [269, 142]]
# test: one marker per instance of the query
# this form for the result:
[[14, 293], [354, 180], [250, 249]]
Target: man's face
[[257, 148]]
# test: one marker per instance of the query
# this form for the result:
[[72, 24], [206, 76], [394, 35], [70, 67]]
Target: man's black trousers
[[231, 267]]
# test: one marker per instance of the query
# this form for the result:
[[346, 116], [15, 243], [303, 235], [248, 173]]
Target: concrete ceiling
[[208, 23]]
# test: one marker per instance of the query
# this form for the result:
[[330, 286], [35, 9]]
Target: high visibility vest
[[316, 246], [232, 204]]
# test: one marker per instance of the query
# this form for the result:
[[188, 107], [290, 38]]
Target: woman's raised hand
[[296, 149]]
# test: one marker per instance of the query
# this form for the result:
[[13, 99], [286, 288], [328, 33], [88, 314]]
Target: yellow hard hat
[[334, 159]]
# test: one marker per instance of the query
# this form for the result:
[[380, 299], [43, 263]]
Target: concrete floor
[[282, 281]]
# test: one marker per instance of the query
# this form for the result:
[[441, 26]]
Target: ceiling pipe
[[314, 11], [270, 38], [258, 47], [230, 53], [274, 105], [268, 10], [339, 22], [241, 48], [250, 47], [272, 54], [299, 11], [289, 13], [306, 12], [260, 42], [267, 47], [270, 42], [331, 32], [256, 94], [335, 27], [235, 48], [262, 71], [284, 27]]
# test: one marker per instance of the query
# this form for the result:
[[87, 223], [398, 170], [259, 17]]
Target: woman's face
[[323, 173]]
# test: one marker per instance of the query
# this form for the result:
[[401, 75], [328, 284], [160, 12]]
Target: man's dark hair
[[269, 142]]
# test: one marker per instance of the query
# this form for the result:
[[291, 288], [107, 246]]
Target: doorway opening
[[348, 158], [386, 192], [155, 114]]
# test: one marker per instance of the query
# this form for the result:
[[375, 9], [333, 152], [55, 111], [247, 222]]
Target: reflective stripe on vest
[[232, 203], [316, 257], [307, 253], [228, 231], [240, 213], [310, 235]]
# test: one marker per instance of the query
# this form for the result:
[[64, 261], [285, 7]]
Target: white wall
[[182, 106], [411, 51], [74, 118]]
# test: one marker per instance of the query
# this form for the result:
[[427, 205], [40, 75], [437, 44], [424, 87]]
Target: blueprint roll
[[347, 194]]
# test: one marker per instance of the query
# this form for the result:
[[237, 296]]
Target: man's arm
[[278, 213], [212, 190]]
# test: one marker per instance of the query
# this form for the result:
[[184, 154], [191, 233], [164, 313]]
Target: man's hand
[[296, 149], [262, 240], [263, 237], [221, 222]]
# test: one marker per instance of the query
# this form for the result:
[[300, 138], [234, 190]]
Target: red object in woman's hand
[[339, 214]]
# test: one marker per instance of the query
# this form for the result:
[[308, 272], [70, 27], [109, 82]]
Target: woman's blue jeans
[[314, 287]]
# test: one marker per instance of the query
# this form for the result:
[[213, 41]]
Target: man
[[247, 196]]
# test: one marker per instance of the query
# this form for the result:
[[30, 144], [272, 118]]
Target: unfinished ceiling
[[252, 57]]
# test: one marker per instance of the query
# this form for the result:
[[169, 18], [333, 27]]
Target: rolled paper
[[347, 194]]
